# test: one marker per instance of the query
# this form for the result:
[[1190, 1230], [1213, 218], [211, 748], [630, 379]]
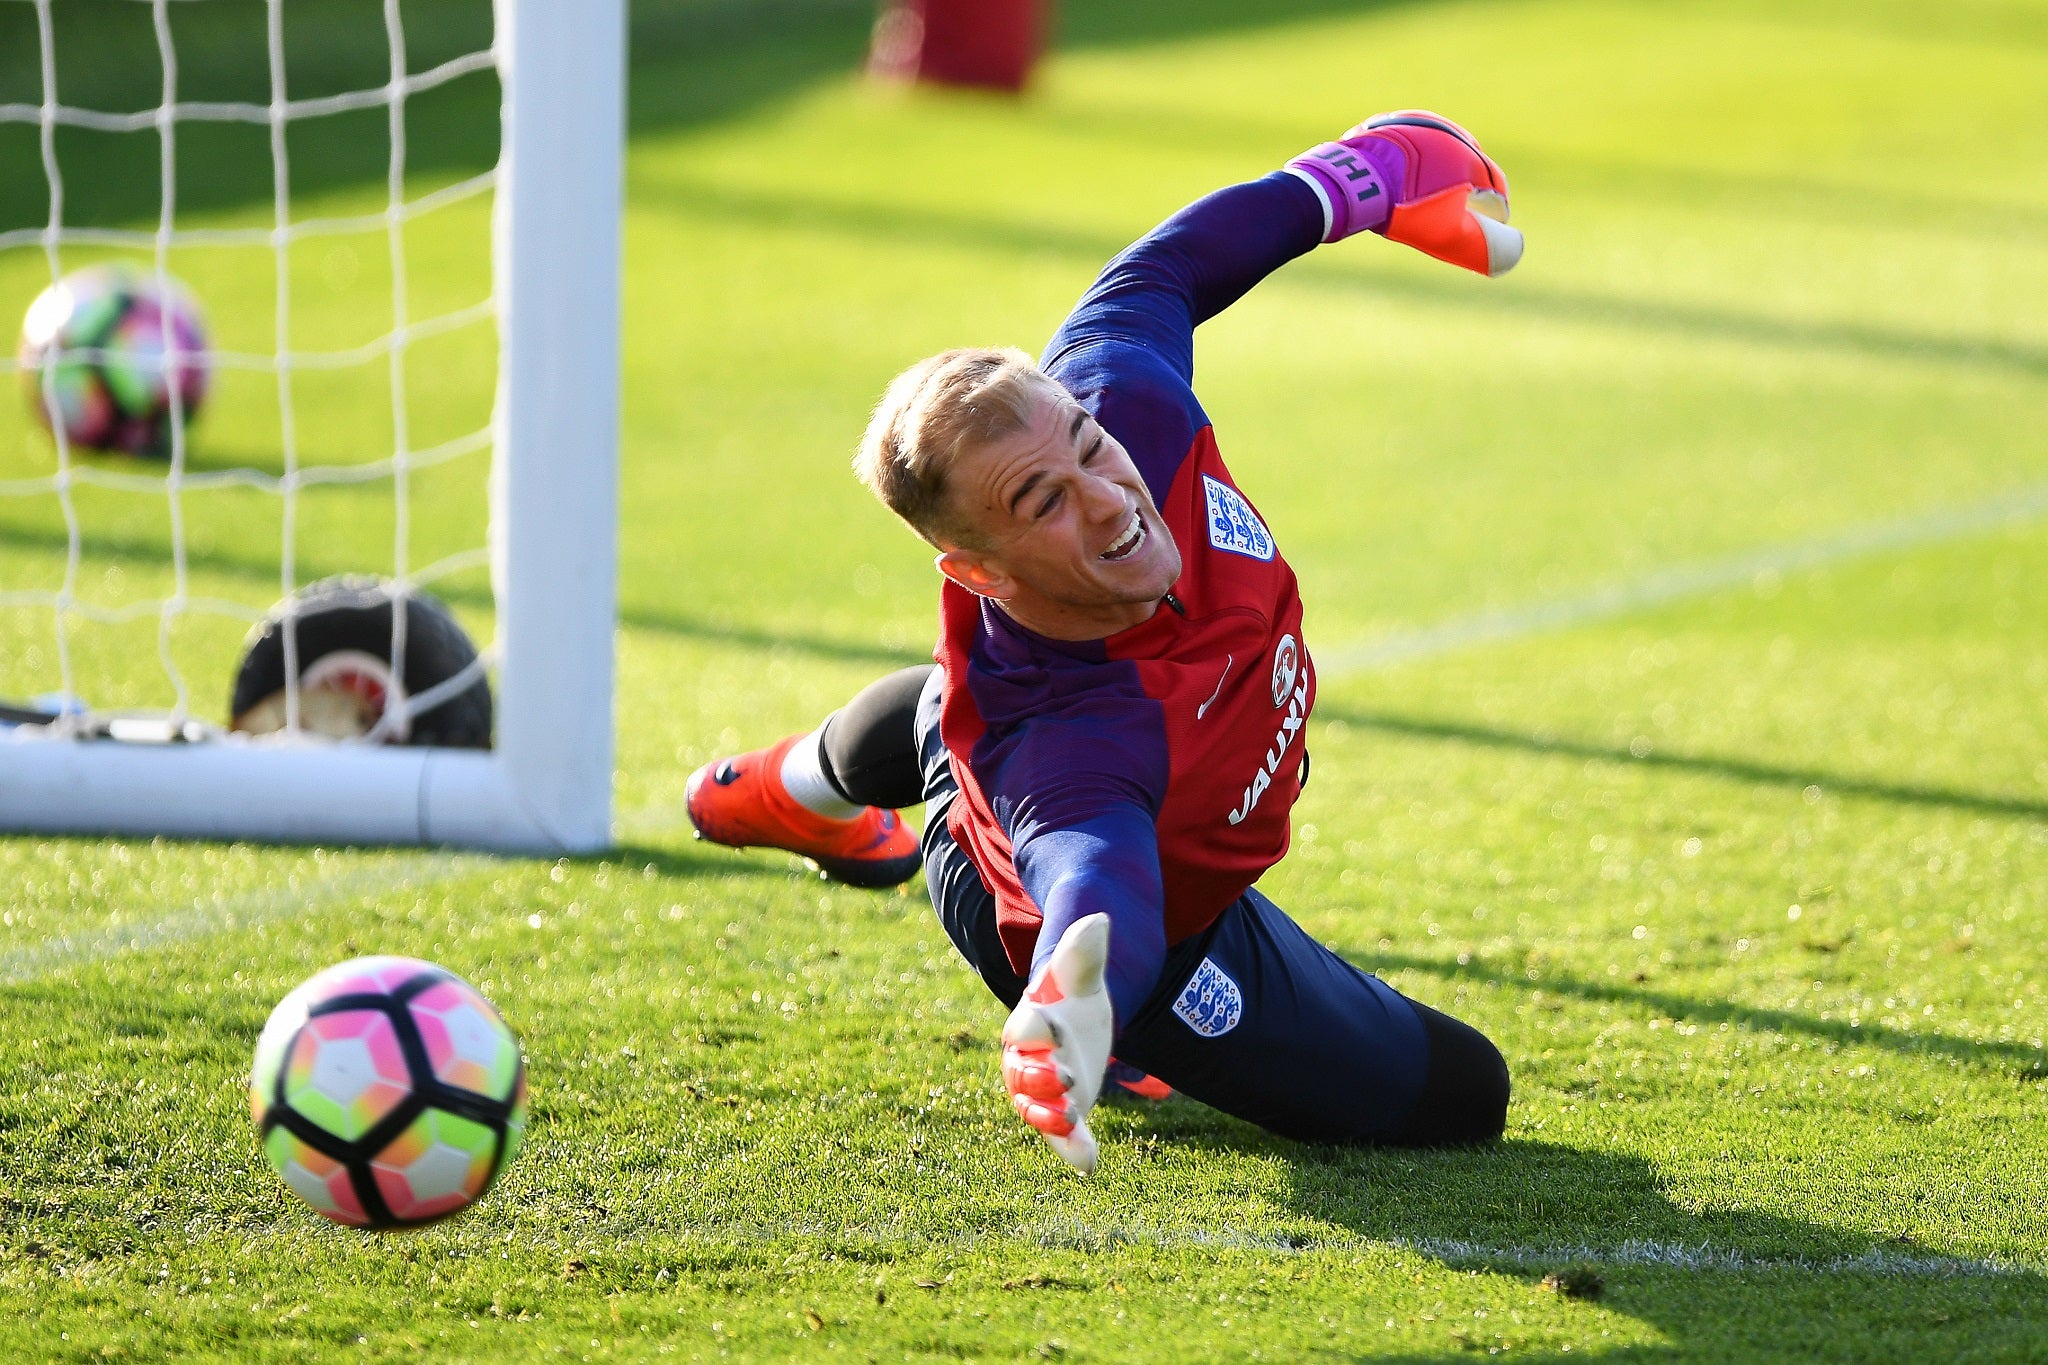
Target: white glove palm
[[1056, 1042]]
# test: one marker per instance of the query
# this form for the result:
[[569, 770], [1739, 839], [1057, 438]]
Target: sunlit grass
[[1746, 887]]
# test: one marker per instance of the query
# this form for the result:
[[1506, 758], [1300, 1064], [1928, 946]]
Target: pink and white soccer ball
[[108, 352], [387, 1092]]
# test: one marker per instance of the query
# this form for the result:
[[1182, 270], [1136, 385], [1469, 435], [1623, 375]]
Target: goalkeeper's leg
[[1255, 1017], [830, 794], [867, 749]]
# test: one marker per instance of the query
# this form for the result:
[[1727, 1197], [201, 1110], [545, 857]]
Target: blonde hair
[[928, 415]]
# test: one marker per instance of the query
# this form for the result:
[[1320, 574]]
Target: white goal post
[[546, 785]]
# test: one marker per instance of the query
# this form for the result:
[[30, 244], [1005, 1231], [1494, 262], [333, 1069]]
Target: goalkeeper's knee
[[1465, 1091]]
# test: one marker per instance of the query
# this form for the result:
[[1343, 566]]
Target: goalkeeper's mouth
[[1126, 545]]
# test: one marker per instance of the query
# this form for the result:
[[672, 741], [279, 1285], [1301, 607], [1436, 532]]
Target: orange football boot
[[1121, 1080], [740, 802]]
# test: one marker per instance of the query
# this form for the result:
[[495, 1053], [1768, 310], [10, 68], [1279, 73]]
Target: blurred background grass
[[1784, 277]]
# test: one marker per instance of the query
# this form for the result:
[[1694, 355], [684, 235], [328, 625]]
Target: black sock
[[868, 747]]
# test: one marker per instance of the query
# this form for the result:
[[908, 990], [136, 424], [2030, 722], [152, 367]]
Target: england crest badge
[[1233, 525], [1210, 1004]]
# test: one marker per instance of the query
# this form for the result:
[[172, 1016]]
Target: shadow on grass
[[928, 227], [1754, 194], [251, 565], [1735, 769], [709, 862], [1716, 1280], [693, 62], [2018, 1060]]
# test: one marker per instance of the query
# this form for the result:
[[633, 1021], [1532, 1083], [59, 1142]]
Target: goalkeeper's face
[[1059, 527]]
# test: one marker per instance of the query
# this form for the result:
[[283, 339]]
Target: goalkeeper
[[1112, 741]]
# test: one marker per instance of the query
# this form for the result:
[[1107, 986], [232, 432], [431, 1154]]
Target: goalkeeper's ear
[[976, 574]]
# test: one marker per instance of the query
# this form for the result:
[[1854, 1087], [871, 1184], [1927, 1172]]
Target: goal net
[[376, 245]]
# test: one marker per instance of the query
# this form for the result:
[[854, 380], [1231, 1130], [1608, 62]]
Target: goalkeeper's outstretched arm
[[1127, 350], [1190, 268], [1413, 177]]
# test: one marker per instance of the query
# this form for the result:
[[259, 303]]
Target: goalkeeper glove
[[1056, 1042], [1416, 178]]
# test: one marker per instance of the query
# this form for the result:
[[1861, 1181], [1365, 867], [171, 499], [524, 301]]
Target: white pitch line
[[203, 920], [1683, 1256], [2013, 507], [1699, 1256]]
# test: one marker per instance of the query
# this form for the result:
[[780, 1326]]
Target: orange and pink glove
[[1056, 1042], [1417, 178]]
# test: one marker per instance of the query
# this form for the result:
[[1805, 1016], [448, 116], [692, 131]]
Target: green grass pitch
[[1748, 881]]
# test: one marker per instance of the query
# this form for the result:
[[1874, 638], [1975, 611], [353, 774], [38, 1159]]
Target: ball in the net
[[387, 1092], [112, 356]]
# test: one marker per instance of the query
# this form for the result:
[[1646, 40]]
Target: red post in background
[[988, 43]]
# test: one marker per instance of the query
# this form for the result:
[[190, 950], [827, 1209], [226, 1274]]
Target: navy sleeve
[[1127, 351], [1080, 799], [1107, 861]]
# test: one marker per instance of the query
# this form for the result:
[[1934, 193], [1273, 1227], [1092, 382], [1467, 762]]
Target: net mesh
[[367, 406]]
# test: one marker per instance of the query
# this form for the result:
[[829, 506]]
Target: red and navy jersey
[[1149, 775]]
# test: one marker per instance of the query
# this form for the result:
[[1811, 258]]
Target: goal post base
[[302, 793], [553, 492]]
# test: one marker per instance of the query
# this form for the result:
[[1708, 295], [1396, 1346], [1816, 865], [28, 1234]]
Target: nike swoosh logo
[[1203, 709]]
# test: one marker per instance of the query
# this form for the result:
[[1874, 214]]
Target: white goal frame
[[554, 495]]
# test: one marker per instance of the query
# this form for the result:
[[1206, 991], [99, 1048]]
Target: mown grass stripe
[[203, 920], [2013, 507], [1455, 1251]]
